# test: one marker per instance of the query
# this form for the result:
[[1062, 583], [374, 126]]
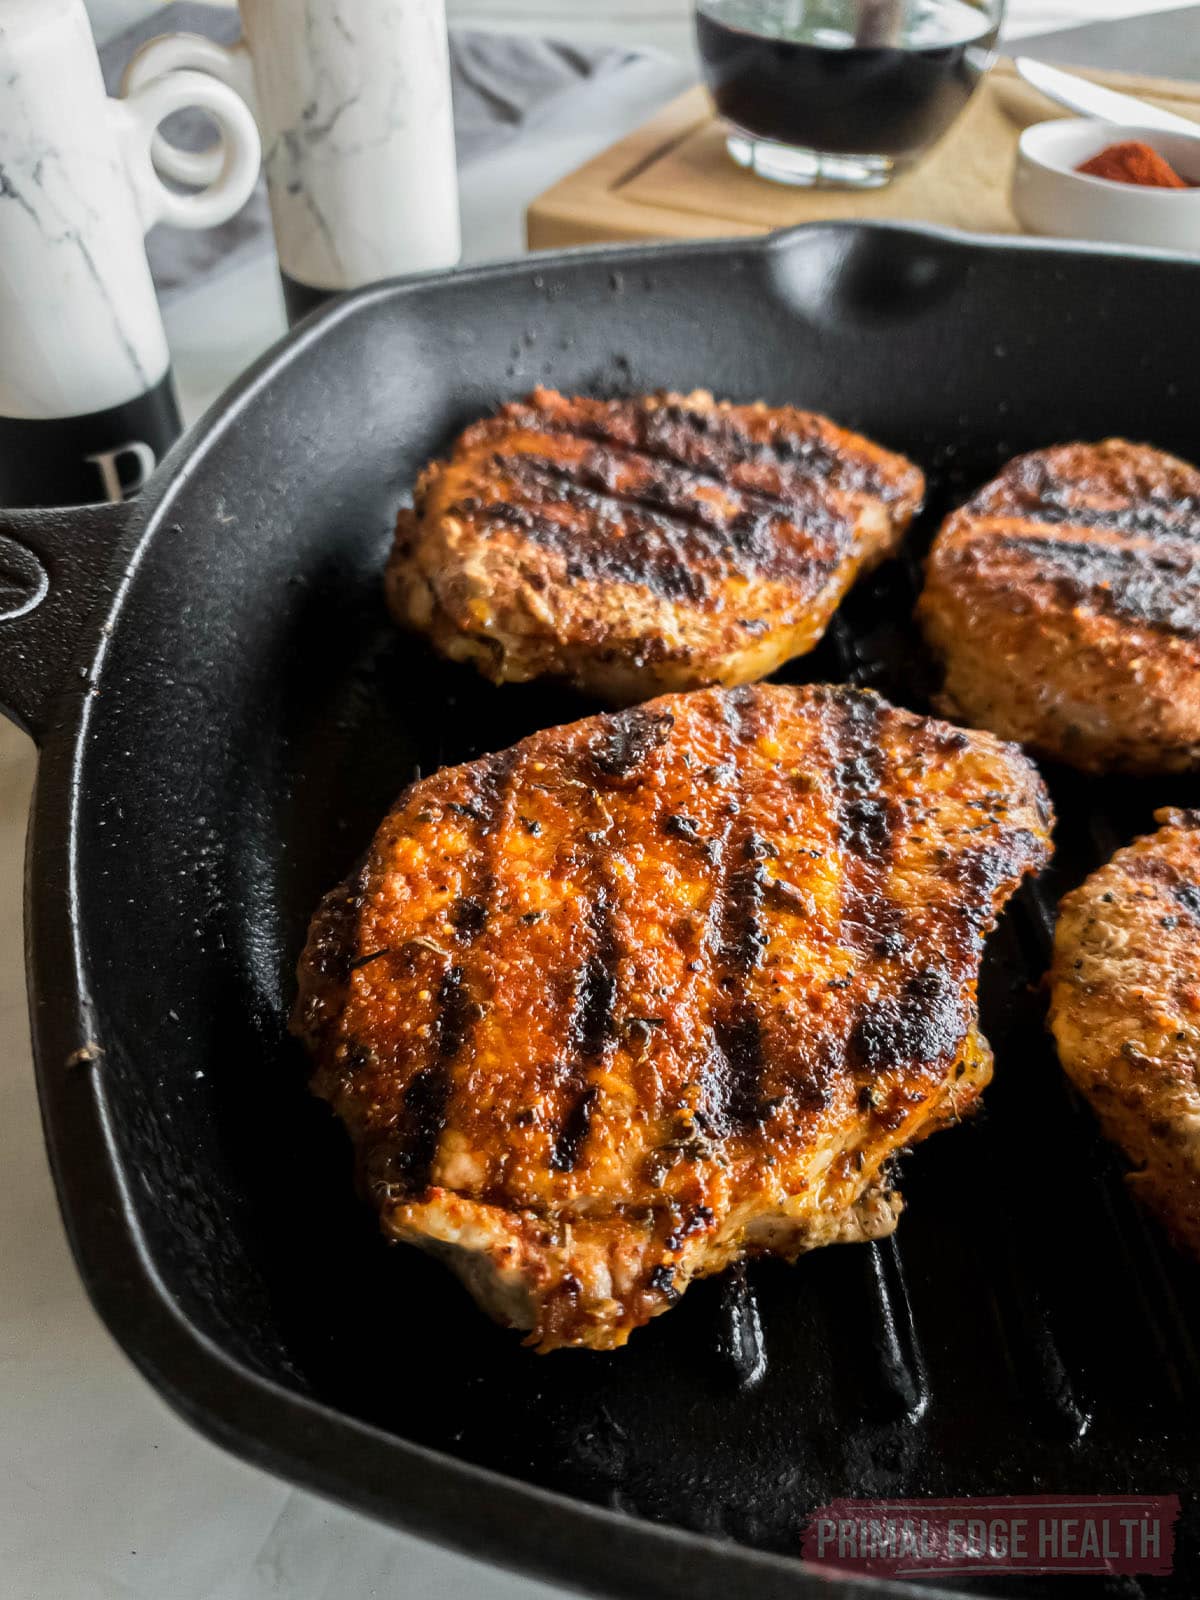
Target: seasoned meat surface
[[637, 546], [1064, 601], [1125, 1012], [663, 988]]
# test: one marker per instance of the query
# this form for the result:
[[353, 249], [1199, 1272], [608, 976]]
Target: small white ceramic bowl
[[1049, 196]]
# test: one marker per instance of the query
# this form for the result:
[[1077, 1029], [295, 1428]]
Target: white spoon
[[1093, 101]]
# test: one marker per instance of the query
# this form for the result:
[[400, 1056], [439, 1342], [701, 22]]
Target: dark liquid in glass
[[845, 97]]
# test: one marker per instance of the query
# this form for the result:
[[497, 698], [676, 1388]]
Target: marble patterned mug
[[86, 405], [354, 107]]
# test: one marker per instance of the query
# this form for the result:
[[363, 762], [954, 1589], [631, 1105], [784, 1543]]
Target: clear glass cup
[[841, 93]]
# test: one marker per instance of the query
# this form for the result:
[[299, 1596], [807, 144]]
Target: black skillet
[[225, 712]]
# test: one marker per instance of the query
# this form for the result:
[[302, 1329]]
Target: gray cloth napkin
[[504, 84]]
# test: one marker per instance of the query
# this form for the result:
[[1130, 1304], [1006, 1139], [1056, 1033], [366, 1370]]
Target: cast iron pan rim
[[291, 1433]]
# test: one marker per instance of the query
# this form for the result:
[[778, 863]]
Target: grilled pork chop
[[636, 546], [1125, 1012], [664, 988], [1064, 600]]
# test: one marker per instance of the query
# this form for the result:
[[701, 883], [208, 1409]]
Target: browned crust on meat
[[665, 987], [1125, 1012], [638, 546], [1064, 603]]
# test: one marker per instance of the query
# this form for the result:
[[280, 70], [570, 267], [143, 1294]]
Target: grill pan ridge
[[220, 755]]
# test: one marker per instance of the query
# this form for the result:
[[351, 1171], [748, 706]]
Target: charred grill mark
[[867, 825], [740, 1042], [672, 529], [629, 737], [595, 489], [1153, 869], [741, 937], [456, 1012], [1158, 588], [469, 916], [673, 487], [980, 872], [423, 1117], [866, 816], [492, 782], [1172, 519], [811, 452], [427, 1098], [732, 1079], [719, 819], [924, 1022], [646, 553], [913, 1016], [1042, 493], [491, 798], [660, 530], [680, 433], [593, 1030], [593, 1026], [716, 443], [568, 1145], [1116, 559]]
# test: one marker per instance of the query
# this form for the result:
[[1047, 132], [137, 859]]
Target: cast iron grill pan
[[253, 715], [1023, 1331]]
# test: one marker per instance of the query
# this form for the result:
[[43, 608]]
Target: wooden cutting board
[[673, 179]]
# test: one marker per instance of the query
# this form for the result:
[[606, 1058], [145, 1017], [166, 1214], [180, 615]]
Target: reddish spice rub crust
[[636, 546], [1125, 1012], [1064, 603], [662, 988]]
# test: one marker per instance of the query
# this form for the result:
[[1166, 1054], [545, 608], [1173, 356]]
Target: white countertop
[[104, 1493]]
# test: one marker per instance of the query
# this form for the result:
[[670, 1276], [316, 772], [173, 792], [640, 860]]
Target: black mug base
[[301, 298], [77, 461]]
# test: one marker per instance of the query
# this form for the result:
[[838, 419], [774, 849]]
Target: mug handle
[[171, 52], [136, 119]]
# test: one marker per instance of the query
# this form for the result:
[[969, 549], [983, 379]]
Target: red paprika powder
[[1131, 161]]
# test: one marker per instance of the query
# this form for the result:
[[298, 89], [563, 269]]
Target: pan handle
[[54, 572]]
